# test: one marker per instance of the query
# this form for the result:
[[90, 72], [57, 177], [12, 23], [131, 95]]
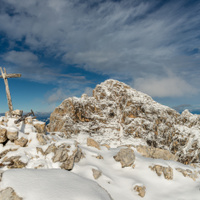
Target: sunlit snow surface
[[52, 185], [56, 184]]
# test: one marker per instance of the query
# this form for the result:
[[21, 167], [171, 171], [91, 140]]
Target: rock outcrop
[[117, 110]]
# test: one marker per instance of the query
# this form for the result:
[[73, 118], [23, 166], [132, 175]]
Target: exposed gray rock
[[17, 113], [9, 194], [141, 190], [12, 135], [61, 154], [21, 142], [126, 157], [91, 142], [42, 139], [13, 162], [40, 127], [3, 136], [96, 173], [152, 152], [166, 171]]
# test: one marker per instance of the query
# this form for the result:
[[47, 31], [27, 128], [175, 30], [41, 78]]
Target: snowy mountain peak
[[118, 140], [118, 114]]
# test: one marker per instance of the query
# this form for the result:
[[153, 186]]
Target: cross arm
[[12, 76]]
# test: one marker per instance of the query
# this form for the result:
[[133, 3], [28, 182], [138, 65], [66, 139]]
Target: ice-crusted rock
[[118, 111]]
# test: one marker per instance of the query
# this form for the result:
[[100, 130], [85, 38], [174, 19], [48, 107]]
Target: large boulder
[[126, 157]]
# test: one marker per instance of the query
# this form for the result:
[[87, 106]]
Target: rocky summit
[[116, 112], [117, 144]]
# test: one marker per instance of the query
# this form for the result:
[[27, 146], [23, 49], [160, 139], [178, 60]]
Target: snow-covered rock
[[118, 113]]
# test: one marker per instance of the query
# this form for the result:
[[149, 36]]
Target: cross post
[[5, 77]]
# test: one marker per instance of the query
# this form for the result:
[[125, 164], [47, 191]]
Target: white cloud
[[116, 38], [170, 86], [21, 58]]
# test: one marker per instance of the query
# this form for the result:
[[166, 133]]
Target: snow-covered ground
[[41, 176]]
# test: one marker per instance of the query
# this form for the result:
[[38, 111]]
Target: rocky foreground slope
[[116, 112], [118, 144]]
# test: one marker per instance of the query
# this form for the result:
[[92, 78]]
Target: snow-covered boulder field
[[88, 151]]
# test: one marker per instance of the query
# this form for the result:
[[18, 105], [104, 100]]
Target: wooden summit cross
[[5, 76]]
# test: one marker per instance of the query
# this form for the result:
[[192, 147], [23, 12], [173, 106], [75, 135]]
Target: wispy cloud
[[126, 38], [169, 86]]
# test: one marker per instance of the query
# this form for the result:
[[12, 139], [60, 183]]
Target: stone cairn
[[10, 131]]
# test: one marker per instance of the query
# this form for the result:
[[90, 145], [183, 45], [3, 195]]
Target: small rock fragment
[[41, 138], [93, 143], [39, 149], [96, 173], [3, 136], [100, 157], [141, 190], [22, 142]]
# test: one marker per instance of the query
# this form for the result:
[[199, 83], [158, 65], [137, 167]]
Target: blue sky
[[64, 48]]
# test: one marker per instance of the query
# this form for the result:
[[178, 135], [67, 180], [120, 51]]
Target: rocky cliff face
[[117, 110]]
